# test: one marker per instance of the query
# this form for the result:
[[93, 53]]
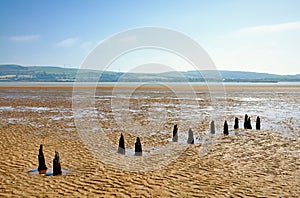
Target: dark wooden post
[[138, 147], [212, 127], [249, 123], [42, 165], [225, 131], [175, 134], [258, 123], [246, 122], [190, 137], [121, 148], [56, 165], [236, 123]]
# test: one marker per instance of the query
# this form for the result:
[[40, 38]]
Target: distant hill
[[60, 74]]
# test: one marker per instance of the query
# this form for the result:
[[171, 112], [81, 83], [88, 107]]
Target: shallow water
[[150, 111], [49, 172]]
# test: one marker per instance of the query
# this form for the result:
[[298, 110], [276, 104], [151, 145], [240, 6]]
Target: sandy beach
[[255, 163]]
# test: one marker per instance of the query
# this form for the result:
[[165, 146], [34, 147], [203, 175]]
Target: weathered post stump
[[258, 123], [212, 127], [175, 134], [225, 131], [138, 147], [190, 137], [56, 165], [42, 165], [121, 148], [249, 124], [246, 122], [236, 123]]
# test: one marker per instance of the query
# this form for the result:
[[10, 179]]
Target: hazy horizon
[[141, 71]]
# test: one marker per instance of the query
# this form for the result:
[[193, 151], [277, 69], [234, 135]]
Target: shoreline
[[158, 88]]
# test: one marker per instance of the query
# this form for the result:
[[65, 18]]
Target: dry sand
[[246, 163]]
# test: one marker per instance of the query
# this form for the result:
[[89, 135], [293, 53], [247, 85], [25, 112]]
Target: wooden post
[[138, 147], [175, 134], [121, 148], [225, 131], [212, 127], [246, 122], [236, 123], [56, 165], [258, 123], [190, 137], [42, 165], [249, 123]]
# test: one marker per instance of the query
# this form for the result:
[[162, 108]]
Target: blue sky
[[254, 35]]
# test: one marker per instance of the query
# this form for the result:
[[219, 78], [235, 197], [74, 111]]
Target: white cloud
[[266, 48], [67, 42], [24, 38], [271, 28]]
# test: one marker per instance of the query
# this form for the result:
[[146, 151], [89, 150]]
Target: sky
[[240, 35]]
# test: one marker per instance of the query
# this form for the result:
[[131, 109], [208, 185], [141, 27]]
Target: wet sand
[[245, 163]]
